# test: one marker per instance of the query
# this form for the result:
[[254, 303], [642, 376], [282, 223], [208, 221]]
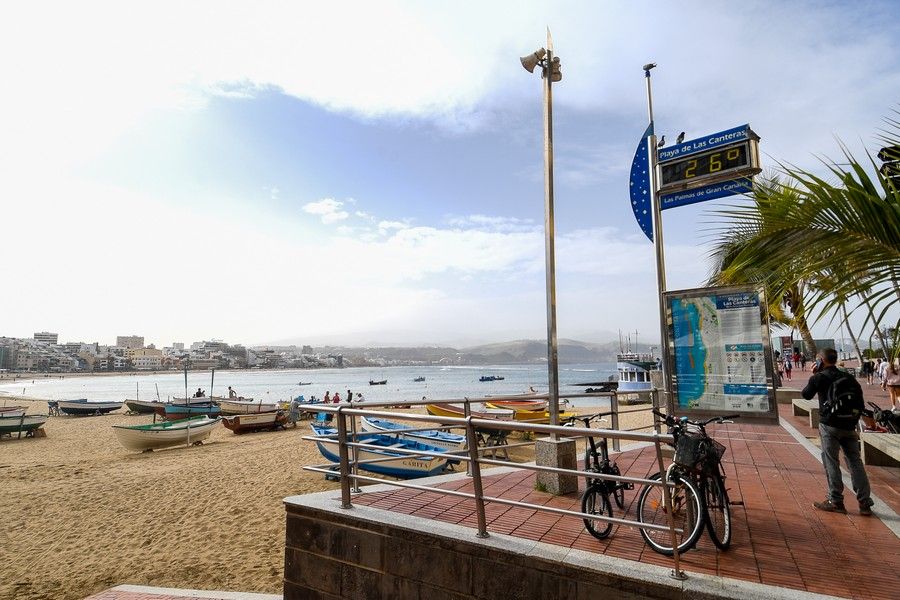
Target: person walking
[[891, 383], [838, 431], [327, 399], [802, 362], [787, 367], [349, 396], [337, 398]]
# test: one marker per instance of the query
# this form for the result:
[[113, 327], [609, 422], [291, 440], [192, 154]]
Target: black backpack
[[844, 402]]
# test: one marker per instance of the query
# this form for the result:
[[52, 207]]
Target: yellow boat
[[535, 416]]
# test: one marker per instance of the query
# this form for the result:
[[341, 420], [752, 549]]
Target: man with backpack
[[840, 406]]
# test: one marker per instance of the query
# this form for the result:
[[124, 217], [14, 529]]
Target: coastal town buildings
[[46, 337], [130, 341]]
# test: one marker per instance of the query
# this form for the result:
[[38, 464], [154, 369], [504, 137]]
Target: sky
[[372, 172]]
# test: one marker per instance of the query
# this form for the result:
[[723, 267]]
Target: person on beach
[[337, 398], [294, 413], [327, 399], [837, 431], [232, 393], [349, 396], [199, 393], [891, 383]]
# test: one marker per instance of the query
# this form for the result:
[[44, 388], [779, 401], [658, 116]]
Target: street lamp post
[[550, 72], [554, 452]]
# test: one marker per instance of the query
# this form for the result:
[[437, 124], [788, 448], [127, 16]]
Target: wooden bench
[[802, 407], [881, 449]]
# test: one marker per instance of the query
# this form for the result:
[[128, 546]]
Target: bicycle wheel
[[718, 510], [686, 513], [618, 488], [594, 501]]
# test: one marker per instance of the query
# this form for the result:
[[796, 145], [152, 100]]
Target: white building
[[47, 337]]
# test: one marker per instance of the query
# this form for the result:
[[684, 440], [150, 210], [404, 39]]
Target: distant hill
[[530, 351]]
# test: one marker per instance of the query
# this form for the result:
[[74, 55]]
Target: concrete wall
[[370, 554]]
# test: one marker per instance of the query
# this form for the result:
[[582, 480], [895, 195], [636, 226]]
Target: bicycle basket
[[698, 452]]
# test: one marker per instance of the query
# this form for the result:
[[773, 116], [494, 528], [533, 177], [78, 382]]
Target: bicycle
[[698, 496], [595, 499]]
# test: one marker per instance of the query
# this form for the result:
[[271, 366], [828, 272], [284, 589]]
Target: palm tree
[[800, 227]]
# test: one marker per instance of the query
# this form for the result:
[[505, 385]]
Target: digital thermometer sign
[[719, 161]]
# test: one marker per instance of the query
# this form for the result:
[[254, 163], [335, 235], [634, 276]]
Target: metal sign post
[[657, 235]]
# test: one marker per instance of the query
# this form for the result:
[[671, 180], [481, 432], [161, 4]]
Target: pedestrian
[[802, 361], [337, 398], [349, 396], [327, 399], [838, 431], [231, 393], [892, 383], [787, 367], [294, 414]]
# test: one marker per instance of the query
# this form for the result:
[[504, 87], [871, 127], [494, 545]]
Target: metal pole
[[614, 408], [549, 235], [476, 478], [467, 412], [677, 573], [658, 245], [355, 489], [345, 460]]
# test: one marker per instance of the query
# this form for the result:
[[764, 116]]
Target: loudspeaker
[[532, 60]]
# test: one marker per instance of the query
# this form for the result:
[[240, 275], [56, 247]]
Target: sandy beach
[[82, 514]]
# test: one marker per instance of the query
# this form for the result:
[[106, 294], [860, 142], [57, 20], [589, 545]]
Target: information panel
[[718, 352]]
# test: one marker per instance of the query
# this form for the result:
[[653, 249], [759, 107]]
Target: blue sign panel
[[707, 142], [709, 192], [639, 186]]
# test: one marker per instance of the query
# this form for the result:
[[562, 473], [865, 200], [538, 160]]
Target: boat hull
[[165, 435], [12, 411], [245, 407], [21, 423], [254, 422], [403, 467], [478, 410], [433, 437], [143, 407], [174, 412], [82, 408]]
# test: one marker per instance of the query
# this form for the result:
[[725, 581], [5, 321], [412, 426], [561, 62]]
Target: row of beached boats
[[386, 438]]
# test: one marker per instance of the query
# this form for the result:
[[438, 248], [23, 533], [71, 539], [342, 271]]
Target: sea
[[441, 382]]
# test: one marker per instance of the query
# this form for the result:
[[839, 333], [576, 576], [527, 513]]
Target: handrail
[[348, 442]]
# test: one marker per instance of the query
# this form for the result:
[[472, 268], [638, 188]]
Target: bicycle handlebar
[[586, 419]]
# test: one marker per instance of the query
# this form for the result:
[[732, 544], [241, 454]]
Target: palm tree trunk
[[884, 346], [806, 334], [850, 331]]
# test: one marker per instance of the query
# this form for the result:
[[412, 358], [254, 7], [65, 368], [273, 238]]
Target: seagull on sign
[[662, 142], [680, 138]]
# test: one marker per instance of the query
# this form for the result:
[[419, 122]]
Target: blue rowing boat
[[451, 442], [404, 466]]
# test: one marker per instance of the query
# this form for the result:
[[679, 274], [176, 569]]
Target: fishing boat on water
[[165, 434], [84, 407], [382, 382], [20, 423], [255, 422], [305, 383], [484, 378], [243, 406], [418, 380], [452, 442], [404, 466]]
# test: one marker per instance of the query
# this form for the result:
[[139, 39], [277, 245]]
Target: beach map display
[[719, 352]]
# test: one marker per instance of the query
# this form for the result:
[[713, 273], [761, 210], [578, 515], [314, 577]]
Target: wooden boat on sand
[[478, 410], [181, 432], [451, 442], [12, 411], [143, 407], [83, 407], [175, 412], [20, 423], [518, 404], [404, 466], [255, 422], [243, 406]]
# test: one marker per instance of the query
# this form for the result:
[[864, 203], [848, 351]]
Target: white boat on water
[[246, 406], [165, 434]]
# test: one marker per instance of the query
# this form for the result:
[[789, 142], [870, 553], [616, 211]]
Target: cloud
[[328, 209], [386, 226]]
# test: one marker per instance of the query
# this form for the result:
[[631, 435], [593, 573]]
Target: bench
[[802, 407], [881, 449], [784, 395]]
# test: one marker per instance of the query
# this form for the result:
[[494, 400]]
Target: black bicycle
[[698, 493], [595, 499]]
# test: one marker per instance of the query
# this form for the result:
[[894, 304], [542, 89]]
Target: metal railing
[[346, 438]]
